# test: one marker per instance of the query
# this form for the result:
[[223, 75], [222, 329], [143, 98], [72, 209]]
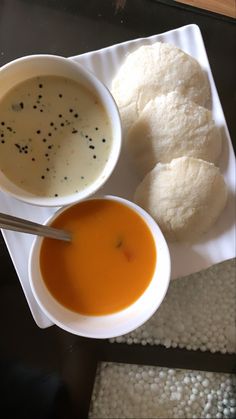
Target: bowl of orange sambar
[[110, 278]]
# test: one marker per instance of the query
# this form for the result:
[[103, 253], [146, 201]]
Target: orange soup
[[109, 263]]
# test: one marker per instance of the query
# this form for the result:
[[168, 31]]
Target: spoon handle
[[10, 222]]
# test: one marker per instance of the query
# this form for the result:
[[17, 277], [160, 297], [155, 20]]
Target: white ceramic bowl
[[27, 67], [116, 324]]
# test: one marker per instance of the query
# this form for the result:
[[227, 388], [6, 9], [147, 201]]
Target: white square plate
[[216, 246]]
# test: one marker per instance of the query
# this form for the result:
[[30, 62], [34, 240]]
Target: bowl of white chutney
[[60, 131]]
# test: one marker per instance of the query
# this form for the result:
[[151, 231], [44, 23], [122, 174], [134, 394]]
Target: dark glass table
[[50, 373]]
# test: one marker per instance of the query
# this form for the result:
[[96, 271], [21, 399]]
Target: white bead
[[167, 343], [145, 375], [186, 380], [207, 407], [205, 382], [154, 387], [232, 411], [151, 373], [175, 396], [171, 372]]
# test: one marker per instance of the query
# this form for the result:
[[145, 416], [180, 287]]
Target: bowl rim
[[115, 324], [111, 108]]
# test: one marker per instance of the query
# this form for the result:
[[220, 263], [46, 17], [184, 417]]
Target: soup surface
[[108, 264], [55, 136]]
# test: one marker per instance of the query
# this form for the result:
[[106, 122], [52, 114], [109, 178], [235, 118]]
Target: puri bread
[[172, 126], [153, 70], [185, 197]]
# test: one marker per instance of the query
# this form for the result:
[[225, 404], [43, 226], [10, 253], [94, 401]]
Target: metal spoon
[[25, 226]]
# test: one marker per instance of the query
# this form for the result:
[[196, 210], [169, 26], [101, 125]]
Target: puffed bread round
[[153, 70], [185, 197], [172, 126]]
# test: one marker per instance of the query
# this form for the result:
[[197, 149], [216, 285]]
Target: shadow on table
[[28, 393]]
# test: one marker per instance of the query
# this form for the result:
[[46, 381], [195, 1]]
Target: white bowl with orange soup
[[110, 278], [60, 131]]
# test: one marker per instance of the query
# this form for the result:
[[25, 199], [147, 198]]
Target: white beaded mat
[[132, 391], [199, 312]]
